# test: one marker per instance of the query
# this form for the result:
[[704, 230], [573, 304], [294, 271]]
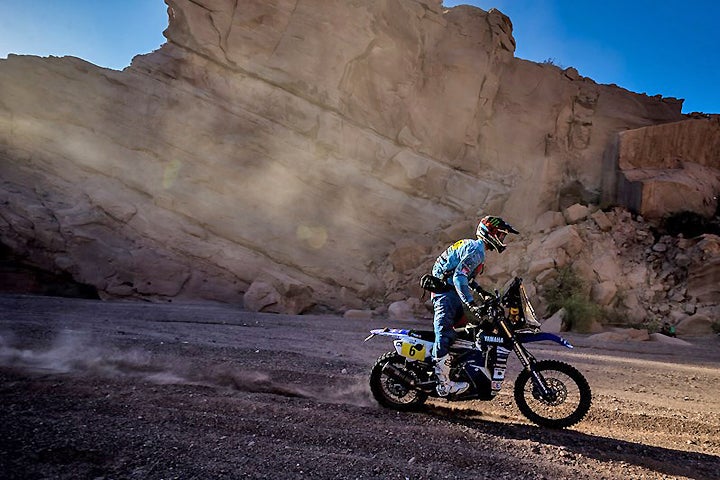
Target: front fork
[[528, 361]]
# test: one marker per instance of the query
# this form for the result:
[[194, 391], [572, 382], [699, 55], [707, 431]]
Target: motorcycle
[[549, 393]]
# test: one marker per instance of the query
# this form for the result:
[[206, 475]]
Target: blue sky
[[662, 47], [105, 32]]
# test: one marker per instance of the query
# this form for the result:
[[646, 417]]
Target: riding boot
[[445, 386]]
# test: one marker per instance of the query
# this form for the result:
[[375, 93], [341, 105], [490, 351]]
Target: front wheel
[[391, 392], [568, 399]]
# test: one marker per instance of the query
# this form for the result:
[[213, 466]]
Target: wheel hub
[[557, 393]]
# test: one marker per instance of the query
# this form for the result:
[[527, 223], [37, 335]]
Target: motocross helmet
[[493, 230]]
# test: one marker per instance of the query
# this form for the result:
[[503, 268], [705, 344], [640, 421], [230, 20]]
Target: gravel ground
[[109, 390]]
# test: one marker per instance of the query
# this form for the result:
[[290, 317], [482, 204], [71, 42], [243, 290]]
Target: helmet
[[493, 230]]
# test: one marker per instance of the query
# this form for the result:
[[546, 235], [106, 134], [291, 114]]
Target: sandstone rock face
[[664, 146], [303, 139], [671, 168]]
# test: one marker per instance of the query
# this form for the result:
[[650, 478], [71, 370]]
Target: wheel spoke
[[564, 399]]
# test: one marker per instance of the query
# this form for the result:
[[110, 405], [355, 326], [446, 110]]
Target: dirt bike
[[549, 393]]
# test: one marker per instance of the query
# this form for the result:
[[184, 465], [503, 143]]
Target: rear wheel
[[391, 392], [566, 404]]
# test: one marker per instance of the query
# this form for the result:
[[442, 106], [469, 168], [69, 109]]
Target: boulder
[[703, 281], [554, 324], [621, 335], [576, 213], [603, 293], [637, 334], [278, 294], [633, 310], [261, 296], [418, 307], [540, 265], [695, 325], [712, 311], [566, 238], [607, 267], [634, 274], [549, 221], [602, 220], [546, 276], [690, 187], [676, 316], [400, 310]]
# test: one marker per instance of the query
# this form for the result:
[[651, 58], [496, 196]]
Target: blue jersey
[[459, 264]]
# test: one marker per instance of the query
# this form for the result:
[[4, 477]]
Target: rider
[[458, 266]]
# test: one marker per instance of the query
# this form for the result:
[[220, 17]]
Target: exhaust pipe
[[399, 375]]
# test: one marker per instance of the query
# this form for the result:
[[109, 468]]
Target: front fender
[[542, 336]]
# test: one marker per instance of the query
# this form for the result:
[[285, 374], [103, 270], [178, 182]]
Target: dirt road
[[97, 390]]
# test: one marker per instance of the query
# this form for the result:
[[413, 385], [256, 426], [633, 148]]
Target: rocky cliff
[[308, 152], [671, 168]]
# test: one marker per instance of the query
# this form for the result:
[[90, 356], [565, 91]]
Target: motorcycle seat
[[427, 335]]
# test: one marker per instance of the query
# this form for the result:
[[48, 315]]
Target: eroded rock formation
[[671, 168], [295, 145]]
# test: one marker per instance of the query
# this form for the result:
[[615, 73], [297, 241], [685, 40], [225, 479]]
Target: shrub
[[581, 313], [716, 327], [552, 61], [653, 325], [568, 292], [566, 284]]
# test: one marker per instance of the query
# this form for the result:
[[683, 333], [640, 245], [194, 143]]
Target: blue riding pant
[[448, 310]]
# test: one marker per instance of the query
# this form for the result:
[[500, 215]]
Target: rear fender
[[409, 347]]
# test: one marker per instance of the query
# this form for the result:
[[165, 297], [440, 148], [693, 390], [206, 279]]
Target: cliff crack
[[199, 4], [282, 35]]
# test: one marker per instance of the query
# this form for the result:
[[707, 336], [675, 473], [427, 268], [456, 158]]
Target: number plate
[[415, 351]]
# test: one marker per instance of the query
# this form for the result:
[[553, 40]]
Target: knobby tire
[[381, 386], [546, 368]]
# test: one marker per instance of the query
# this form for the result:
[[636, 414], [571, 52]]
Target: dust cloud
[[74, 353]]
